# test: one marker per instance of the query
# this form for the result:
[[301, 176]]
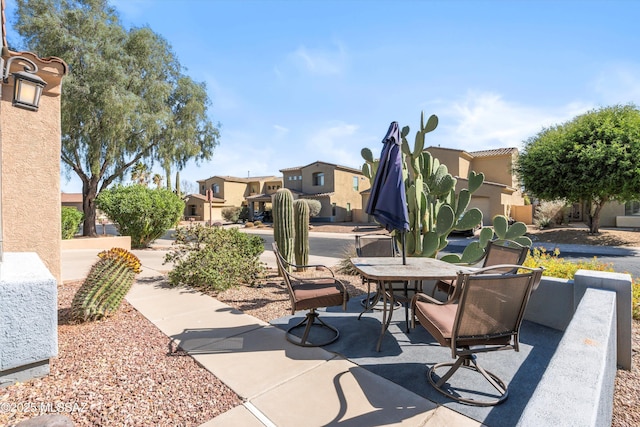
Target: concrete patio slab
[[238, 416], [257, 361], [340, 392]]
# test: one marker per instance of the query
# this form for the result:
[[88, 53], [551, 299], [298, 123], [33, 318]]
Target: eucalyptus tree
[[125, 100], [592, 158]]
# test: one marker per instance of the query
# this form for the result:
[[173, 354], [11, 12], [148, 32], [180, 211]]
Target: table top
[[417, 268]]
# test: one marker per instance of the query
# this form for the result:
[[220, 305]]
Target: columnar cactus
[[434, 207], [108, 282], [301, 240], [283, 230]]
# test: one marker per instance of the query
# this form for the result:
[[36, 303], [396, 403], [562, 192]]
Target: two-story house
[[230, 191], [336, 187], [500, 194]]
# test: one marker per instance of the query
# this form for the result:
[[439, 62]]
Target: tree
[[140, 212], [125, 99], [140, 174], [591, 158], [157, 180]]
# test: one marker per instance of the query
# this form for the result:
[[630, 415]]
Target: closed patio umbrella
[[388, 200]]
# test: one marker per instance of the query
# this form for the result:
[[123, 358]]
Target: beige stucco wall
[[496, 169], [30, 143]]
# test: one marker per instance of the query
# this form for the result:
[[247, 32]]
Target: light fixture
[[27, 84]]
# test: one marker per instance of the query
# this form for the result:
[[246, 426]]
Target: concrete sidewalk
[[281, 384]]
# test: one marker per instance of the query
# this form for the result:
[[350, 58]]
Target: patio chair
[[311, 293], [486, 317], [381, 245], [508, 252], [373, 245]]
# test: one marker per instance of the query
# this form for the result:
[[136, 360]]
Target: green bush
[[231, 214], [140, 212], [215, 259], [71, 219], [559, 267], [314, 207]]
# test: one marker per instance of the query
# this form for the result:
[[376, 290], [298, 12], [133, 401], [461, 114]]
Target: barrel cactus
[[283, 226], [108, 282], [301, 240]]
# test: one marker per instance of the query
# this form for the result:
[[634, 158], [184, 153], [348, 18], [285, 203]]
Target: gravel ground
[[122, 371], [118, 372]]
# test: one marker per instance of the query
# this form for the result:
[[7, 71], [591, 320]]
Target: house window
[[333, 209], [348, 207], [356, 183], [300, 177], [289, 178], [215, 188], [632, 208], [192, 210], [318, 178]]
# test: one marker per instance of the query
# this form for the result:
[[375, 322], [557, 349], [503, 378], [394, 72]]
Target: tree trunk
[[89, 193], [594, 218]]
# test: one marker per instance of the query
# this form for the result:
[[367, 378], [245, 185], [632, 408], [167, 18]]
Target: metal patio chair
[[486, 317]]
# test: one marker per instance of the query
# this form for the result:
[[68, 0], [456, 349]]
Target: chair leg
[[311, 319], [467, 362]]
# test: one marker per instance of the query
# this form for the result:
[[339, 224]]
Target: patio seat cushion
[[319, 293]]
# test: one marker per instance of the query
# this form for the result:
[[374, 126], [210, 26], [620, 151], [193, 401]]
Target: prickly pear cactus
[[501, 233], [435, 209], [283, 227], [106, 285], [301, 239]]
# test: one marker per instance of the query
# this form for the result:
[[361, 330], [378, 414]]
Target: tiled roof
[[204, 198], [313, 195], [246, 180], [494, 152], [347, 168]]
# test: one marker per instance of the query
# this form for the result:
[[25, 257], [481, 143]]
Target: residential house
[[336, 187], [230, 191], [72, 200], [501, 192]]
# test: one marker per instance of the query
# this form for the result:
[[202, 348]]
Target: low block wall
[[28, 317], [578, 384], [628, 221], [105, 243]]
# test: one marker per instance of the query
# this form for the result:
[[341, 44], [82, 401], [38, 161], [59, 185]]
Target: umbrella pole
[[404, 250]]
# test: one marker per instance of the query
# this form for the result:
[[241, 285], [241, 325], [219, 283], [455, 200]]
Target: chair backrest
[[282, 270], [507, 253], [492, 305], [375, 245]]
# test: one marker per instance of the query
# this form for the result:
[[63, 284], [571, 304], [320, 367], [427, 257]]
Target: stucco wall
[[31, 175]]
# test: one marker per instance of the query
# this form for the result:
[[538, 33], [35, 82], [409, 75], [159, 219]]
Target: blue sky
[[292, 82]]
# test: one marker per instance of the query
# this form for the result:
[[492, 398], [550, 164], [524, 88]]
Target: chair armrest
[[424, 297]]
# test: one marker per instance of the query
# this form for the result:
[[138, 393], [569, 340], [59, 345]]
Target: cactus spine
[[106, 285], [301, 220], [283, 227]]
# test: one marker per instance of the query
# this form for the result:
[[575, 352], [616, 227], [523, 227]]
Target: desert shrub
[[549, 213], [217, 224], [257, 223], [71, 219], [140, 212], [249, 224], [231, 214], [554, 266], [345, 266], [244, 214], [558, 267], [215, 259], [106, 285]]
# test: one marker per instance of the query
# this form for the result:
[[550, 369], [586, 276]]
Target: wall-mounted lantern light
[[27, 84]]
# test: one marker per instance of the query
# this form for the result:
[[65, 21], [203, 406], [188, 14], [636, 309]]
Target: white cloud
[[320, 61], [338, 143], [281, 131], [485, 120]]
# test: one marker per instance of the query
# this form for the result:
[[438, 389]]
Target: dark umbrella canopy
[[388, 200]]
